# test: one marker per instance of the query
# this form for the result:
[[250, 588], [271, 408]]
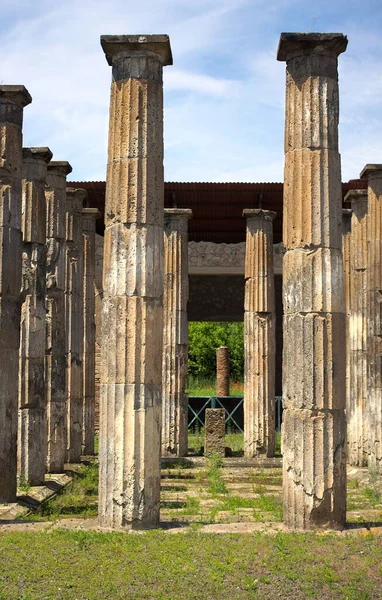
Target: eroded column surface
[[373, 173], [222, 371], [175, 332], [347, 259], [74, 316], [314, 426], [89, 217], [259, 335], [13, 99], [132, 311], [55, 350], [32, 398], [356, 401], [214, 436]]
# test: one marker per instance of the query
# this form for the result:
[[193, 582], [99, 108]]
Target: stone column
[[314, 426], [89, 217], [55, 350], [373, 173], [259, 335], [13, 99], [222, 371], [175, 332], [214, 436], [347, 259], [32, 399], [356, 402], [74, 316], [132, 312]]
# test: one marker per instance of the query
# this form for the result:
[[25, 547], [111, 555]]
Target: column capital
[[371, 171], [60, 167], [355, 195], [39, 154], [76, 194], [298, 44], [17, 94], [186, 213], [259, 214], [89, 217], [137, 46]]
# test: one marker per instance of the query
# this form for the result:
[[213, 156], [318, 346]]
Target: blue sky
[[224, 95]]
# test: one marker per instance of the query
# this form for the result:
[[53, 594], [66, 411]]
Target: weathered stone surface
[[74, 316], [374, 313], [347, 258], [214, 426], [259, 335], [55, 357], [132, 311], [355, 281], [175, 333], [32, 397], [13, 99], [89, 216], [314, 426], [222, 371]]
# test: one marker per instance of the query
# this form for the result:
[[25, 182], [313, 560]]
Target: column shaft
[[32, 398], [13, 99], [374, 314], [74, 318], [259, 335], [89, 216], [175, 332], [222, 371], [132, 311], [55, 357], [314, 427], [347, 258]]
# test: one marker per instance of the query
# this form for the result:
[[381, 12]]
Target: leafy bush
[[203, 340]]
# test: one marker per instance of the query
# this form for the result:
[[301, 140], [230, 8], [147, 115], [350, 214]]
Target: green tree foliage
[[205, 337]]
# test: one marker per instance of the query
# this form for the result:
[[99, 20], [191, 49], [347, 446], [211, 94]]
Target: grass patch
[[214, 476], [206, 386]]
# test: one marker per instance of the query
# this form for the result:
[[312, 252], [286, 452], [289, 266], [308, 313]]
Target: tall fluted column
[[55, 350], [357, 402], [259, 335], [132, 310], [32, 400], [13, 99], [74, 274], [89, 217], [347, 259], [374, 314], [314, 426], [175, 332]]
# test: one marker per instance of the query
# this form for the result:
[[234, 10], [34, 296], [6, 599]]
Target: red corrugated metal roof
[[217, 207]]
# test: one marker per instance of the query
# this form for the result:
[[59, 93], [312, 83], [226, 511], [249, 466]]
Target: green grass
[[214, 476], [84, 565], [206, 386]]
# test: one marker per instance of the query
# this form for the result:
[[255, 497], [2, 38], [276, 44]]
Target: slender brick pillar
[[89, 217], [74, 315], [259, 335], [356, 402], [32, 399], [374, 313], [314, 426], [55, 350], [347, 258], [132, 310], [175, 336], [13, 99], [222, 371]]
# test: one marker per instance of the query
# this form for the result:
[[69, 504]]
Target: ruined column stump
[[222, 371], [55, 350], [314, 425], [175, 332], [356, 401], [32, 399], [13, 99], [132, 309], [74, 316], [89, 217], [373, 173], [259, 335], [214, 437]]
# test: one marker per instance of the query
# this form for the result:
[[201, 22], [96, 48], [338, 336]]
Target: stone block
[[214, 441]]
